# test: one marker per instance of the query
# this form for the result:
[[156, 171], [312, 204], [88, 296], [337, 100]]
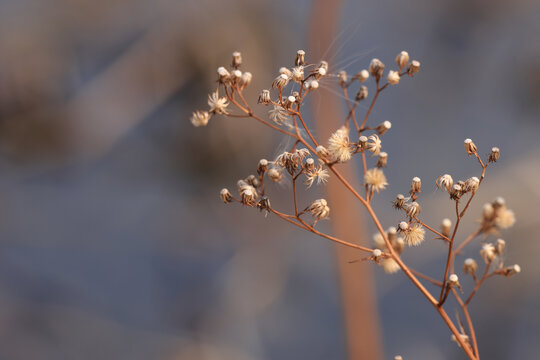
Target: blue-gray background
[[113, 242]]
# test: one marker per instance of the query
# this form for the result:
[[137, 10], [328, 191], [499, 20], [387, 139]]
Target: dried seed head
[[403, 226], [472, 184], [374, 144], [319, 209], [383, 127], [488, 252], [399, 245], [275, 175], [414, 236], [262, 167], [285, 71], [390, 266], [361, 75], [253, 181], [280, 82], [377, 253], [300, 58], [342, 78], [456, 192], [375, 179], [278, 115], [225, 196], [470, 147], [290, 101], [315, 174], [399, 202], [446, 227], [264, 97], [322, 152], [236, 59], [379, 241], [382, 160], [391, 233], [246, 79], [321, 70], [487, 212], [413, 209], [362, 142], [499, 246], [313, 84], [504, 218], [416, 185], [453, 281], [499, 202], [376, 68], [223, 75], [402, 59], [298, 74], [236, 76], [413, 67], [247, 192], [362, 93], [393, 77], [470, 266], [511, 270], [200, 118], [494, 154], [445, 182], [338, 145], [218, 105], [309, 164]]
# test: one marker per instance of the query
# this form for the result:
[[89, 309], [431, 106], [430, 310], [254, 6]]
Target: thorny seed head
[[413, 209], [399, 202], [402, 59], [472, 184], [374, 144], [275, 175], [217, 105], [264, 97], [262, 167], [319, 209], [446, 226], [342, 78], [488, 252], [416, 185], [414, 235], [362, 93], [445, 182], [470, 147], [225, 196], [361, 76], [300, 58], [200, 118], [280, 82], [500, 244], [413, 67], [383, 127], [236, 59], [456, 192], [494, 154], [393, 77], [382, 160], [375, 179], [338, 145], [470, 266], [376, 68]]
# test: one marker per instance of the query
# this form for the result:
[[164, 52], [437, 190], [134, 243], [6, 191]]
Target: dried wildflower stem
[[465, 310], [433, 230], [425, 277], [379, 89], [352, 109], [478, 284]]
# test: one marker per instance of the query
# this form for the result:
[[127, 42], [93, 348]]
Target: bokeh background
[[113, 241]]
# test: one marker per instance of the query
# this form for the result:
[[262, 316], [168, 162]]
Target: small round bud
[[236, 59], [342, 78], [393, 77], [362, 142], [470, 266], [413, 209], [470, 147], [416, 184], [402, 59], [399, 202], [313, 84], [377, 253], [413, 67], [362, 93], [275, 175], [382, 160], [376, 68], [453, 280], [499, 202], [471, 184], [383, 127], [225, 196], [361, 75], [391, 233], [310, 164], [262, 167], [499, 246], [237, 75], [223, 74], [403, 226], [446, 227], [246, 79], [456, 192], [494, 154], [322, 152], [300, 58]]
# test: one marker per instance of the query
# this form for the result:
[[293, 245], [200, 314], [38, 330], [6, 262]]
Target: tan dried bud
[[470, 266], [403, 226], [253, 181], [413, 209], [499, 202], [399, 202], [280, 82], [445, 182], [264, 97], [223, 74], [470, 147], [488, 252], [309, 164], [456, 192], [376, 68], [246, 79], [511, 270], [402, 59], [319, 209], [262, 167], [362, 93], [382, 160], [342, 78], [236, 59], [453, 281], [298, 74], [383, 127], [300, 58], [236, 76], [361, 75], [225, 196], [312, 85], [275, 175], [321, 70], [393, 77], [413, 67], [285, 71], [416, 185], [446, 227], [322, 152], [392, 234], [377, 254], [488, 212], [494, 154], [471, 184], [290, 101], [499, 246]]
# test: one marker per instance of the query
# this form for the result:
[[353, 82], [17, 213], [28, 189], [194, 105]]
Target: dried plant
[[311, 162]]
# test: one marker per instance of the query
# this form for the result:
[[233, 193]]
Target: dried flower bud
[[399, 202], [264, 97], [236, 59], [375, 179], [393, 77], [456, 192], [313, 84], [403, 226], [402, 59], [392, 234], [262, 167], [253, 181], [200, 118], [247, 192], [511, 270], [416, 184], [374, 144], [321, 70], [414, 235], [399, 245], [453, 281], [470, 266], [362, 142], [246, 79], [446, 227], [338, 145], [494, 154], [223, 74], [487, 212], [499, 246], [471, 184], [322, 152], [342, 78], [300, 58], [361, 75], [225, 196], [218, 105], [280, 82], [376, 68], [488, 252], [377, 253], [284, 71], [445, 182], [275, 175], [309, 164], [413, 67], [499, 202], [289, 101], [413, 209], [470, 147], [362, 93], [237, 76], [319, 209], [298, 74], [382, 160], [383, 127]]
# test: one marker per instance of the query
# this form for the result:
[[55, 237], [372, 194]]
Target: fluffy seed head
[[446, 226], [414, 236], [275, 175], [376, 68], [339, 146], [218, 105], [504, 218], [393, 77], [375, 179], [298, 74], [362, 75], [200, 118], [390, 266], [413, 209]]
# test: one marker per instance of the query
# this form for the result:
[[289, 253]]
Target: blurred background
[[113, 241]]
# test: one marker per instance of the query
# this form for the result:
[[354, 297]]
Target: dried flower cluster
[[313, 161]]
